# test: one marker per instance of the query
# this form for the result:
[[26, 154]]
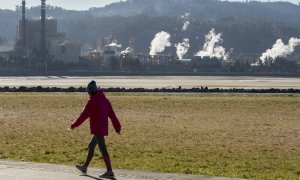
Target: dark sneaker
[[107, 175], [81, 168]]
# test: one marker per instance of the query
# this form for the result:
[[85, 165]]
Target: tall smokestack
[[23, 40], [43, 29]]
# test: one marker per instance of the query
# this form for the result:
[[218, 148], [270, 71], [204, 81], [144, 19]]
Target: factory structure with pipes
[[40, 38]]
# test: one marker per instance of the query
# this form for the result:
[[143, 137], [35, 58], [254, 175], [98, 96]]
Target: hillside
[[205, 9], [246, 27]]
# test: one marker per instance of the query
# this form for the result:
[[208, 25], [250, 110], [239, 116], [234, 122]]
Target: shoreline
[[154, 90]]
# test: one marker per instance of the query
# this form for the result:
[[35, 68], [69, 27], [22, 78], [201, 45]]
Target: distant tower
[[24, 33], [132, 44], [43, 29]]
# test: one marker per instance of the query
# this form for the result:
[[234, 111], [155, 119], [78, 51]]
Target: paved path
[[11, 170]]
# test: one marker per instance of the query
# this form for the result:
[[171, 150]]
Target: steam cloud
[[186, 24], [128, 50], [186, 15], [182, 48], [115, 44], [279, 49], [160, 42], [211, 47], [6, 47]]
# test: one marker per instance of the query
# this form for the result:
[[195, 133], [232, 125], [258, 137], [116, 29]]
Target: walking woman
[[98, 109]]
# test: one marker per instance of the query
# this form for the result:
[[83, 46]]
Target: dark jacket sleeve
[[86, 113], [115, 121]]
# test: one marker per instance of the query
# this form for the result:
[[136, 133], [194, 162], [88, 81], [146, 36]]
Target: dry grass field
[[248, 136]]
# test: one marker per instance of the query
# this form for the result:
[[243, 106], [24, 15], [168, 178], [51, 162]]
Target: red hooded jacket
[[98, 109]]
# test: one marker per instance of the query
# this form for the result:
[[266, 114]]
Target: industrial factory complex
[[39, 41], [40, 47]]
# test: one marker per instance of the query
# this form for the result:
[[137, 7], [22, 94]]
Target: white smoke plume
[[128, 50], [186, 15], [160, 42], [6, 47], [212, 48], [115, 44], [186, 25], [279, 49], [182, 48]]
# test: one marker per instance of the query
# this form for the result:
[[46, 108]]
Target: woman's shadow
[[97, 178]]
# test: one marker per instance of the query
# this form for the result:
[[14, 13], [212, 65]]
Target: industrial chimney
[[43, 29], [24, 33]]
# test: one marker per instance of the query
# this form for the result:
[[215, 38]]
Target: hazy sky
[[72, 4], [68, 4]]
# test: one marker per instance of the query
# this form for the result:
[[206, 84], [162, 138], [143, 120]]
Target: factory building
[[40, 37], [109, 52], [206, 63], [33, 35], [67, 51], [105, 41]]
